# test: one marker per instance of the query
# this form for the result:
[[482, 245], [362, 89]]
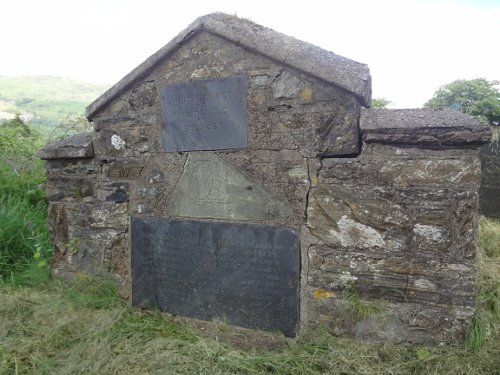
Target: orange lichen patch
[[323, 293]]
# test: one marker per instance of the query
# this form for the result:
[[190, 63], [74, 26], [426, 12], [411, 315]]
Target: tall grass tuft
[[485, 324], [23, 229]]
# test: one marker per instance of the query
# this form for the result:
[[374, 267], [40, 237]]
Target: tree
[[17, 124], [477, 97], [380, 103]]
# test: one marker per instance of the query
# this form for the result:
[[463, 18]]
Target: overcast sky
[[411, 46]]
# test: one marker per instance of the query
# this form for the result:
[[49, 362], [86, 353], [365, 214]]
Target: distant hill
[[46, 100]]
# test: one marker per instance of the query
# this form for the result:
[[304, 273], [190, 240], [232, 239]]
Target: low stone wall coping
[[425, 127], [75, 147]]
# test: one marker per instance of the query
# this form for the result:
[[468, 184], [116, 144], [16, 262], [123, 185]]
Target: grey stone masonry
[[399, 222], [74, 147], [423, 127], [381, 204]]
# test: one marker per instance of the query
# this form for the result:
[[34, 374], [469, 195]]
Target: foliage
[[47, 100], [477, 97], [24, 239], [21, 172], [23, 236], [18, 125], [358, 308], [476, 335], [380, 103]]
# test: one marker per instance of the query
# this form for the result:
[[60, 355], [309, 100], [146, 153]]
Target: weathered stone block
[[65, 187], [425, 127], [74, 147]]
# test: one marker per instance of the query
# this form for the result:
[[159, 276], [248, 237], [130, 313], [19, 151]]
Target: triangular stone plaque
[[212, 188]]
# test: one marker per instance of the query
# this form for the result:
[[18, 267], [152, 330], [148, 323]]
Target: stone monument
[[234, 175]]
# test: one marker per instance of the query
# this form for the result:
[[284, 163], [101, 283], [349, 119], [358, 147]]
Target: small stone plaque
[[205, 115], [245, 274]]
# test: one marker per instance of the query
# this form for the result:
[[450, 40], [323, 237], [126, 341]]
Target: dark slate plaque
[[245, 274], [205, 115], [489, 193]]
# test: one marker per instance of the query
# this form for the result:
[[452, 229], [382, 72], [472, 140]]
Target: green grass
[[22, 233], [24, 240], [84, 327], [486, 321], [42, 331]]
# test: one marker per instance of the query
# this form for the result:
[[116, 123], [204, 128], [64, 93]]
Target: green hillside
[[46, 100]]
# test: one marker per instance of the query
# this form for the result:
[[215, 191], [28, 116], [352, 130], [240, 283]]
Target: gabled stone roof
[[337, 70]]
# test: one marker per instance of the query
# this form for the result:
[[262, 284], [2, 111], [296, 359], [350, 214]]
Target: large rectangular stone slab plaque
[[245, 274], [205, 115]]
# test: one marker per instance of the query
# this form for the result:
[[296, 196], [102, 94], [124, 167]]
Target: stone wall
[[392, 230], [399, 223], [384, 202]]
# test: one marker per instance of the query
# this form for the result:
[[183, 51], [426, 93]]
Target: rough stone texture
[[76, 146], [88, 227], [387, 213], [423, 127], [399, 223], [489, 194]]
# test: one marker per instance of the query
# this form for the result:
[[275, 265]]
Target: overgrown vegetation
[[24, 243], [485, 324]]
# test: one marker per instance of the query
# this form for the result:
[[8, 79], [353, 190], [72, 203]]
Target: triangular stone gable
[[336, 70]]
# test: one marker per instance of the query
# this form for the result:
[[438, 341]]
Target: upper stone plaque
[[205, 115]]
